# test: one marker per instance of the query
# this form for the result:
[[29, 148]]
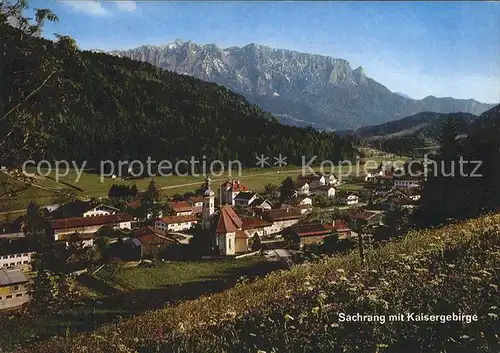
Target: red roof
[[79, 222], [340, 225], [134, 204], [228, 220], [180, 206], [195, 199], [307, 230], [282, 214], [148, 235], [234, 185], [252, 222], [178, 219]]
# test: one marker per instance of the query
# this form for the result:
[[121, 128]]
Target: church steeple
[[208, 205]]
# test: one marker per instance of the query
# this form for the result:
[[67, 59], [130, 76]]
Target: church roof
[[228, 220], [234, 186]]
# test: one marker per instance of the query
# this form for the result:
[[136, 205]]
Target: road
[[224, 179]]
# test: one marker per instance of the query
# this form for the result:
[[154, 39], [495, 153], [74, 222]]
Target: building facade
[[14, 288]]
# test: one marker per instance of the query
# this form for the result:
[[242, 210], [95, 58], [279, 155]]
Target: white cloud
[[93, 8], [126, 5]]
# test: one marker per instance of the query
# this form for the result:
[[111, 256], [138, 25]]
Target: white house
[[324, 190], [346, 198], [229, 190], [101, 210], [88, 225], [296, 202], [407, 182], [302, 187], [175, 223], [282, 218], [352, 199], [14, 288], [19, 260], [244, 199], [262, 204]]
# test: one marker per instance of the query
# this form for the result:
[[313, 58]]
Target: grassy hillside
[[441, 271]]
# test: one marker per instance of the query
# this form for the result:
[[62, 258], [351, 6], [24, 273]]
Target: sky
[[445, 49]]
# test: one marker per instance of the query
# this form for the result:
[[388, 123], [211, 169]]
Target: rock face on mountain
[[299, 88]]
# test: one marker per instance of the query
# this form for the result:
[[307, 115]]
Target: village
[[215, 222]]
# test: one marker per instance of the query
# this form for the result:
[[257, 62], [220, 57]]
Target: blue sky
[[418, 48]]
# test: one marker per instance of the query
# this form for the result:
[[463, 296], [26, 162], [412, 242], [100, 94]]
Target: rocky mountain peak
[[321, 90]]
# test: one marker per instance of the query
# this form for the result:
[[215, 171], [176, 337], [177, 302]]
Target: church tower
[[208, 206]]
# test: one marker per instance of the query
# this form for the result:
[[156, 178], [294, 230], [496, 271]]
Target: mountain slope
[[321, 90], [415, 134], [427, 124], [97, 107]]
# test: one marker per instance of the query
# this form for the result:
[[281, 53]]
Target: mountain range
[[98, 107], [298, 88]]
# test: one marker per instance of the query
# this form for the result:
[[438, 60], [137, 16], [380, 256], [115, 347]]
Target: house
[[244, 199], [341, 227], [324, 190], [253, 226], [89, 225], [150, 243], [366, 218], [101, 210], [175, 223], [301, 187], [261, 204], [347, 198], [14, 288], [282, 218], [296, 202], [15, 253], [305, 234], [409, 194], [196, 203], [318, 179], [229, 189], [73, 209], [407, 181], [87, 239], [181, 208], [19, 260]]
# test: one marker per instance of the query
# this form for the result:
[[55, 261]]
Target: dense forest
[[415, 134], [464, 177], [82, 105]]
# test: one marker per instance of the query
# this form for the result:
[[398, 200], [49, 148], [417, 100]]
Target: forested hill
[[426, 123], [93, 106]]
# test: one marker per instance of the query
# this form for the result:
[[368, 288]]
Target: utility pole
[[360, 241]]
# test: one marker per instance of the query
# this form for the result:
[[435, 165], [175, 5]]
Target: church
[[235, 234]]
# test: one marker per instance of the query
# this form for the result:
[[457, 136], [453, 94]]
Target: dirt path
[[224, 179]]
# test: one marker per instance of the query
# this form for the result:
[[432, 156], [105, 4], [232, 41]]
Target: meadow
[[438, 271], [116, 292]]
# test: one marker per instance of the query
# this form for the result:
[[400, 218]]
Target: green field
[[111, 295], [175, 273], [90, 184]]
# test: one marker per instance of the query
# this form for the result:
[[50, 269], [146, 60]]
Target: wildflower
[[288, 317]]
